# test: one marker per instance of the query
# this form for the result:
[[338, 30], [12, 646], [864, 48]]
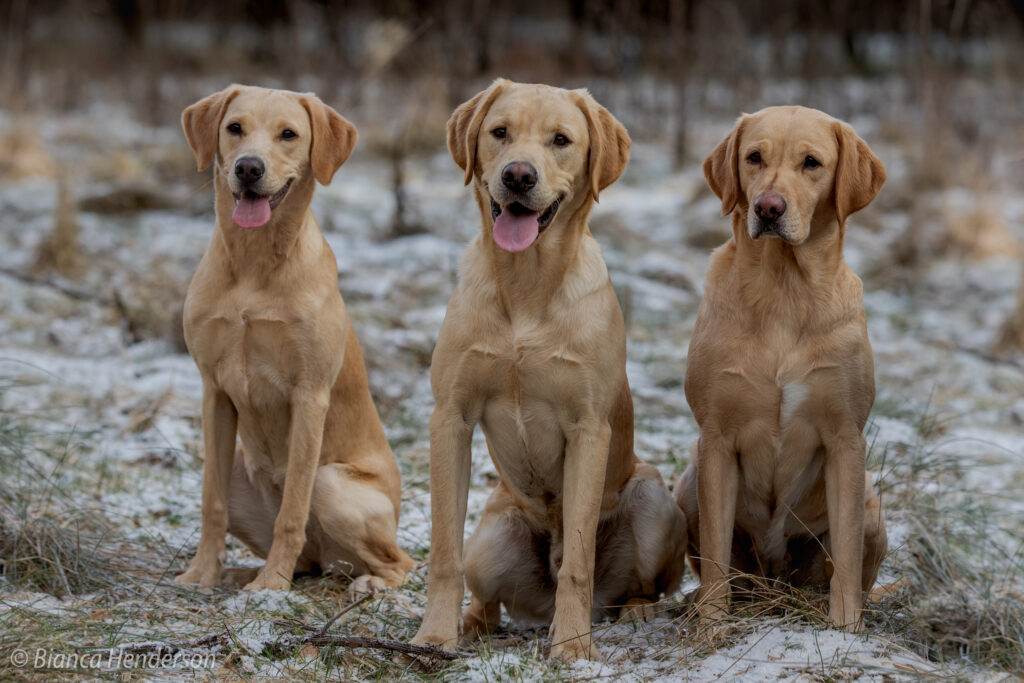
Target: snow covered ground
[[110, 414]]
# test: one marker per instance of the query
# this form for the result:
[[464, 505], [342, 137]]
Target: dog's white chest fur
[[793, 396]]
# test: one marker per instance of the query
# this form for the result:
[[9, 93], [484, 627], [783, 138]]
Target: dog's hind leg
[[359, 525], [251, 516], [876, 542], [641, 548], [506, 562]]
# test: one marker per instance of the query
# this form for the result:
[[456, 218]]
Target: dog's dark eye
[[811, 162], [561, 140], [499, 133], [754, 158], [235, 128], [288, 134]]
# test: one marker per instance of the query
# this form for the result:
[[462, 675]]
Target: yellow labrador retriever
[[533, 348], [314, 484], [780, 375]]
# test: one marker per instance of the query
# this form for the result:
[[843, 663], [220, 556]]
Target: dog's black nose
[[249, 169], [519, 176], [769, 206]]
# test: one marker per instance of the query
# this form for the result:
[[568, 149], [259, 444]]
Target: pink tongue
[[515, 233], [251, 213]]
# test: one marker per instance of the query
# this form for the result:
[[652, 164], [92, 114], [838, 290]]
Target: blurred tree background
[[941, 80], [103, 219], [680, 56]]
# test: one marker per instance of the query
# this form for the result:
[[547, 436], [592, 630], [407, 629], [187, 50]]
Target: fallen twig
[[428, 651], [173, 648], [344, 610], [314, 636]]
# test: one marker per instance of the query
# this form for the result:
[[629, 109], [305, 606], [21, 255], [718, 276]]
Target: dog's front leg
[[586, 457], [309, 410], [844, 491], [451, 435], [220, 423], [717, 486]]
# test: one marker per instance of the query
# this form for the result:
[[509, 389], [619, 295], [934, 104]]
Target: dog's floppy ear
[[464, 126], [721, 168], [334, 138], [609, 143], [201, 122], [859, 173]]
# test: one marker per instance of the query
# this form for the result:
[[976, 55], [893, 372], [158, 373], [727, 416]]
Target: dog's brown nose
[[249, 169], [519, 176], [769, 206]]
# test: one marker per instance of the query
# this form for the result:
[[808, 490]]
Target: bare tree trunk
[[678, 26], [13, 74]]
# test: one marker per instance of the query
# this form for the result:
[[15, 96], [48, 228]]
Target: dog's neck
[[804, 276], [258, 252], [528, 280]]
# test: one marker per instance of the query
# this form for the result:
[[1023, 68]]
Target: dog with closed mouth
[[533, 349], [314, 484], [779, 374]]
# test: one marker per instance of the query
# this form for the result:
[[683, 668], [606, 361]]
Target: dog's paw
[[637, 610], [234, 578], [363, 586], [265, 581], [474, 627], [202, 576], [436, 639], [574, 650], [879, 593], [427, 640], [842, 614]]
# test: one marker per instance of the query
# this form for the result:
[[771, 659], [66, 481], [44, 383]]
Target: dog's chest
[[533, 387], [247, 349], [785, 402]]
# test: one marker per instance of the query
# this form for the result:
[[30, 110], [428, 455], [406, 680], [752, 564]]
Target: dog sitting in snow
[[780, 375], [314, 483], [533, 348]]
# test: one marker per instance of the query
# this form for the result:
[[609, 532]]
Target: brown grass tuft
[[25, 155], [981, 234], [1011, 337], [61, 251], [151, 307]]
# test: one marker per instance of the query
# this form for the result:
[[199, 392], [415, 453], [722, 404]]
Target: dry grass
[[25, 155], [1011, 336], [61, 251], [151, 306], [981, 233], [960, 602]]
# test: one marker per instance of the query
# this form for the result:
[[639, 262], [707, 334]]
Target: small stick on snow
[[340, 614]]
